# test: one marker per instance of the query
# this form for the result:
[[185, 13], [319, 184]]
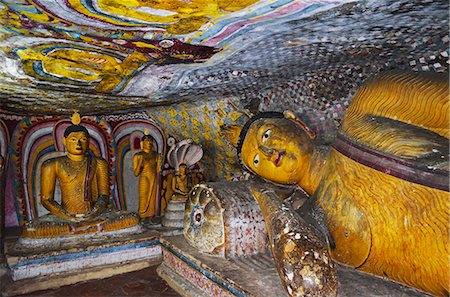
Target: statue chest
[[70, 172]]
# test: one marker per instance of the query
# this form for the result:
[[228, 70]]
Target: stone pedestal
[[33, 268], [192, 273], [174, 215]]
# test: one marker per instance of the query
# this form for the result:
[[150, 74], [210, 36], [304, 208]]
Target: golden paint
[[81, 65], [179, 17], [76, 118], [282, 157]]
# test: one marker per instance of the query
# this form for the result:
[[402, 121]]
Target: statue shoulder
[[53, 161], [100, 161]]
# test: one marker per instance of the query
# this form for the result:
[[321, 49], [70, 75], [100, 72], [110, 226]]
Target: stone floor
[[144, 282]]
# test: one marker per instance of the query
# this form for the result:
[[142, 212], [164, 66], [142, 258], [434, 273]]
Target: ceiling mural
[[57, 56], [88, 47]]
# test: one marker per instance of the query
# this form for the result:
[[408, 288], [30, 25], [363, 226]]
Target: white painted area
[[130, 182], [11, 68], [26, 152], [154, 11], [150, 80], [90, 261], [124, 17]]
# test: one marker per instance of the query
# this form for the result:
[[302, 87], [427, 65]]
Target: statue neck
[[316, 166], [146, 151], [76, 158]]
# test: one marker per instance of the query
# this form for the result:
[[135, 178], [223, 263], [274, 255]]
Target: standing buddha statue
[[146, 165]]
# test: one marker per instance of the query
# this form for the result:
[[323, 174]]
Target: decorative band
[[391, 165]]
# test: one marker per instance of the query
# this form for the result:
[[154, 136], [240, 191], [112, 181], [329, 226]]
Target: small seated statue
[[84, 183], [380, 193], [181, 156], [180, 184]]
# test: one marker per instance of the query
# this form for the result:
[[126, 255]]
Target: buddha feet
[[50, 225]]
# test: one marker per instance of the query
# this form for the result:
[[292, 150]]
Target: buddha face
[[76, 143], [182, 170], [277, 150], [147, 144]]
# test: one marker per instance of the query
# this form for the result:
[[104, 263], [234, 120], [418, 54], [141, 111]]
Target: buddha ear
[[231, 134], [288, 114], [141, 144]]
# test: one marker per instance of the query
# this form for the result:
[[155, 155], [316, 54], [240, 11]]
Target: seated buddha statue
[[84, 184], [180, 184]]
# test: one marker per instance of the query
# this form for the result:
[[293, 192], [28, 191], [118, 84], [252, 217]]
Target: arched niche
[[38, 139], [127, 136]]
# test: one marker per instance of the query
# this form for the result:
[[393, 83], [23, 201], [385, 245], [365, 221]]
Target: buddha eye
[[266, 135], [256, 160]]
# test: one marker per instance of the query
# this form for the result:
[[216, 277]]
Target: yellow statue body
[[146, 165], [382, 188], [180, 184], [84, 184]]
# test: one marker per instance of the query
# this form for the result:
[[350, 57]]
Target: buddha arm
[[137, 164], [175, 189], [102, 177], [48, 181], [159, 161]]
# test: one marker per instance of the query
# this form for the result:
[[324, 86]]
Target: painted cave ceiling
[[57, 56]]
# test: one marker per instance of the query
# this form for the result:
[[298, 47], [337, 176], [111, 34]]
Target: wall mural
[[202, 124]]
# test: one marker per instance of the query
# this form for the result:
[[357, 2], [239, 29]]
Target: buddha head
[[274, 146], [76, 137], [147, 141], [182, 169]]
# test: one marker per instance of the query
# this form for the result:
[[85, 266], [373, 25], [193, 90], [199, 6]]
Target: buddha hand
[[98, 209]]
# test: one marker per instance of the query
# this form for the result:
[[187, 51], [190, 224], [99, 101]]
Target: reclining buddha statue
[[380, 193], [84, 184]]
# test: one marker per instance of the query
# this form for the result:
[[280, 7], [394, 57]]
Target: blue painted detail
[[74, 256], [88, 5], [27, 121], [14, 51], [75, 34], [191, 218], [24, 7], [116, 35], [206, 273]]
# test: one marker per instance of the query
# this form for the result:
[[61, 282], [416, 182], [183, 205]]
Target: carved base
[[174, 215], [73, 262], [191, 273]]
